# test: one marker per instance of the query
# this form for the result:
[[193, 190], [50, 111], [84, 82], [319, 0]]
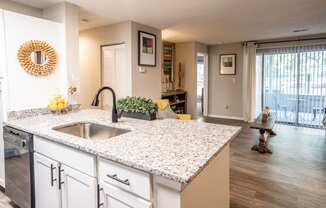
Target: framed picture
[[228, 64], [146, 49]]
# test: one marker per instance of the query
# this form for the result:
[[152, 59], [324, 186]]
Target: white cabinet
[[47, 193], [123, 187], [114, 197], [126, 178], [78, 189], [64, 178]]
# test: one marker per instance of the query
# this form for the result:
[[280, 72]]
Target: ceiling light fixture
[[300, 30]]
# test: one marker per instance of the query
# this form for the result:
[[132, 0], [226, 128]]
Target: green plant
[[136, 104]]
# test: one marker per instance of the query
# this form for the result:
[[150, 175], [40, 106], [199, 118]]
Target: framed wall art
[[228, 64], [146, 49]]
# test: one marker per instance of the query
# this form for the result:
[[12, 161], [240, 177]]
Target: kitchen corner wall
[[68, 15], [146, 84], [25, 91], [59, 26], [225, 91]]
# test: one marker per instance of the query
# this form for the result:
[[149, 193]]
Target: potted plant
[[137, 107]]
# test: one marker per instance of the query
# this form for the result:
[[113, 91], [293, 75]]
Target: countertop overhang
[[174, 149]]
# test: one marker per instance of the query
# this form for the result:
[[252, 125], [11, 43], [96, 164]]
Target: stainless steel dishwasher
[[19, 169]]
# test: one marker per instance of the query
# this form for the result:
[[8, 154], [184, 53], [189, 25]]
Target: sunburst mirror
[[37, 57]]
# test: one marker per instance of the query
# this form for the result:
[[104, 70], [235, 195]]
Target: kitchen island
[[161, 164]]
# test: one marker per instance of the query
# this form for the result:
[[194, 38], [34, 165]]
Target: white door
[[114, 197], [78, 189], [47, 193], [115, 73]]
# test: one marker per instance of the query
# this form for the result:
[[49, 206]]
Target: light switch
[[233, 80], [142, 69]]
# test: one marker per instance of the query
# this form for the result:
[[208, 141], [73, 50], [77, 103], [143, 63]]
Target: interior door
[[115, 73], [78, 189], [47, 193], [114, 197]]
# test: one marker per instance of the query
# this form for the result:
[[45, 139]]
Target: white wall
[[2, 66], [68, 14], [24, 90]]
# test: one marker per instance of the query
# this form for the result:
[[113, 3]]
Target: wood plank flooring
[[294, 176]]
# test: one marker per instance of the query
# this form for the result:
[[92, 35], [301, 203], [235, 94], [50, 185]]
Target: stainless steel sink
[[89, 130]]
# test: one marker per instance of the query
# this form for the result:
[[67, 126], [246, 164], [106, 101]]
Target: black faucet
[[114, 108]]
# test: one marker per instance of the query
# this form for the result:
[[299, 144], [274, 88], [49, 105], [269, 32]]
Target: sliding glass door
[[294, 83]]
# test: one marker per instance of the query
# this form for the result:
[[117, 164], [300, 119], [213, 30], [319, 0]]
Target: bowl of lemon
[[58, 105]]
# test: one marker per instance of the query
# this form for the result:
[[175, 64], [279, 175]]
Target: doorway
[[114, 73], [201, 84]]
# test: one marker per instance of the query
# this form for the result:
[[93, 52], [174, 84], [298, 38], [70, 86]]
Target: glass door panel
[[294, 84], [280, 85]]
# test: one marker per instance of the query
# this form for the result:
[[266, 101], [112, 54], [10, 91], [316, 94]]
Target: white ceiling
[[207, 21]]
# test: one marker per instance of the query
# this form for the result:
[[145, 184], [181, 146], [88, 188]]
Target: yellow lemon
[[61, 106]]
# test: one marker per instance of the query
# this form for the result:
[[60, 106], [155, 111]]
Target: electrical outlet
[[227, 107]]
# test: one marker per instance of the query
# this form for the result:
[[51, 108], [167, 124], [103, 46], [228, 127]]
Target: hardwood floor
[[294, 176]]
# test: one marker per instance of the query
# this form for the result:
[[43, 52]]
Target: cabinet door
[[114, 197], [78, 189], [47, 193]]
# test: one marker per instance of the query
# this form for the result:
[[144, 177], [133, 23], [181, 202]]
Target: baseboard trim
[[2, 189], [226, 117], [2, 185]]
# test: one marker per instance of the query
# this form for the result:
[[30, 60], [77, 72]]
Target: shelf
[[173, 93], [179, 102]]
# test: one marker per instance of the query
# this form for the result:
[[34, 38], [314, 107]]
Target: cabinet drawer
[[129, 179], [84, 162], [113, 197]]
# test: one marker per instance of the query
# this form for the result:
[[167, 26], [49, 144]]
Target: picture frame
[[228, 64], [146, 49]]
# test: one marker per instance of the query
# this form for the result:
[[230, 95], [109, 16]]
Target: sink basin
[[87, 130]]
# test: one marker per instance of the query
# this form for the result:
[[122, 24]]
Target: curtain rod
[[287, 41]]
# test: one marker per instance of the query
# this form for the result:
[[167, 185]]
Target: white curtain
[[249, 81]]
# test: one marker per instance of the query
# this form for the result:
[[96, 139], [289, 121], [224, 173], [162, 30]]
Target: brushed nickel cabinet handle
[[116, 178], [52, 179], [99, 203], [60, 177]]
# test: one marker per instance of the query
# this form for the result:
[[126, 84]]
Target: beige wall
[[20, 8], [186, 53], [146, 84], [225, 90], [90, 55]]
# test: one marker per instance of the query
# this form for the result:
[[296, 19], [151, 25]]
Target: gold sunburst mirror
[[37, 57]]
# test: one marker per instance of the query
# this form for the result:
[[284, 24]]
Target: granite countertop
[[174, 149]]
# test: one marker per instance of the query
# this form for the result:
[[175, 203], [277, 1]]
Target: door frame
[[113, 45], [101, 57], [205, 95]]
